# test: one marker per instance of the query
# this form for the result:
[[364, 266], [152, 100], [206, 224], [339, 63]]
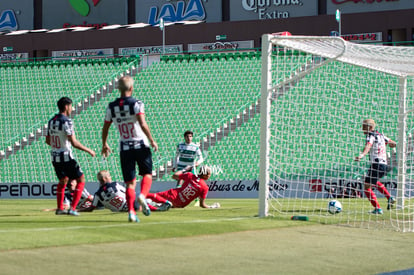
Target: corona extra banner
[[271, 9]]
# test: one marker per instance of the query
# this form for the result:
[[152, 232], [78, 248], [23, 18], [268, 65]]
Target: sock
[[152, 208], [60, 195], [77, 194], [179, 183], [156, 198], [130, 198], [381, 188], [372, 198], [146, 184]]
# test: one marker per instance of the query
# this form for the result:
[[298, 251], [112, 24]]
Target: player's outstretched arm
[[364, 152], [204, 205], [177, 174], [175, 160], [392, 143], [47, 140], [200, 158], [145, 128], [106, 150], [75, 143]]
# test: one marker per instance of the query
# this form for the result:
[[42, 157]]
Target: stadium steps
[[314, 110], [203, 81], [235, 123], [209, 140], [230, 63], [40, 132], [295, 77], [215, 137]]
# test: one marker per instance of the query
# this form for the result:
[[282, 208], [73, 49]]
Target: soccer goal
[[316, 91]]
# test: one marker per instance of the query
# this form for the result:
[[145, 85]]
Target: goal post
[[402, 141], [316, 91], [266, 86]]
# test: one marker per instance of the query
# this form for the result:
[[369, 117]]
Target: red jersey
[[192, 188]]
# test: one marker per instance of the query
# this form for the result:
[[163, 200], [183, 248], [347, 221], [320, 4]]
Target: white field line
[[120, 225]]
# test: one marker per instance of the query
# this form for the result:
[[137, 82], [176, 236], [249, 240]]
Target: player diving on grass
[[375, 145], [84, 202], [193, 187], [110, 195]]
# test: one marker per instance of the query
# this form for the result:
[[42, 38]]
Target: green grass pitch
[[229, 240]]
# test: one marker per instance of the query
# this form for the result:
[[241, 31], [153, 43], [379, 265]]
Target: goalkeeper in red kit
[[194, 186]]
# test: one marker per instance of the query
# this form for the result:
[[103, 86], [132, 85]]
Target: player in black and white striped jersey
[[127, 113], [375, 145], [61, 137], [110, 195], [85, 200]]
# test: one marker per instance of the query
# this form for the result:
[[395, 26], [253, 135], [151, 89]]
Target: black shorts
[[130, 158], [375, 172], [70, 169]]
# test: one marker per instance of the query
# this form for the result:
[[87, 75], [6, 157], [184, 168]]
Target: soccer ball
[[334, 207]]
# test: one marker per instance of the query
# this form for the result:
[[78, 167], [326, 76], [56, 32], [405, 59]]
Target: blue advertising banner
[[151, 11]]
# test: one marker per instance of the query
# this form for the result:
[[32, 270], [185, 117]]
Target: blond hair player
[[375, 145]]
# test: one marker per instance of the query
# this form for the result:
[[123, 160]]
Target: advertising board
[[151, 11], [16, 15], [241, 10], [84, 13], [357, 6]]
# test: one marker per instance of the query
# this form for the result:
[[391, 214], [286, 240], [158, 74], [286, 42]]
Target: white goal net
[[316, 91]]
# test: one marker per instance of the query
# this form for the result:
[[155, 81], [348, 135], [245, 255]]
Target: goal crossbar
[[387, 59]]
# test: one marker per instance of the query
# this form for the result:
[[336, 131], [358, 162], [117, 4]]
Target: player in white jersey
[[127, 113], [376, 144], [110, 195], [61, 137], [85, 200], [187, 154]]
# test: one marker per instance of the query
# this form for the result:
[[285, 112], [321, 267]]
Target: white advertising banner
[[356, 6], [85, 53], [220, 45], [312, 189], [363, 37], [14, 57], [169, 49]]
